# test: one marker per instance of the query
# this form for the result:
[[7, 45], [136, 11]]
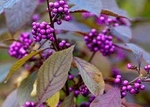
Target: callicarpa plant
[[72, 53]]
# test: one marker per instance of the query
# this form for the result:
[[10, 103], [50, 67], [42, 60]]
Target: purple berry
[[123, 94], [142, 87], [76, 93], [125, 82], [117, 80], [71, 77], [132, 91], [129, 66]]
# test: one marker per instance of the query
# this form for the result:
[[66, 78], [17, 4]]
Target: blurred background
[[139, 10]]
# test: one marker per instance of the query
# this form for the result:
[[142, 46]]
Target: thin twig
[[42, 44], [52, 25], [92, 56]]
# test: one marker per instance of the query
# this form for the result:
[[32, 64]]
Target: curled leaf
[[91, 76], [19, 63]]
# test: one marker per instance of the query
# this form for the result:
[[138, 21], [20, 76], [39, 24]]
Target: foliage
[[62, 46]]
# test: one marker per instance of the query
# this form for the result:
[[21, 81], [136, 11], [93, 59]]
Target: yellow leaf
[[54, 100], [91, 76], [19, 63]]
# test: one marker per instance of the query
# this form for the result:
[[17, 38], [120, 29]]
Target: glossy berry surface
[[99, 42], [126, 86], [42, 31], [19, 48], [60, 11], [31, 104]]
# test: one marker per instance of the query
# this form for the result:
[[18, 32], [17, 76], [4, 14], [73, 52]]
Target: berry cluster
[[31, 104], [42, 31], [60, 10], [63, 44], [106, 20], [147, 68], [87, 104], [99, 42], [47, 53], [19, 48], [125, 86], [84, 90]]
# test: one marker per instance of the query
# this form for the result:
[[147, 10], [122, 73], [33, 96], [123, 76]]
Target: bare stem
[[92, 56], [52, 25]]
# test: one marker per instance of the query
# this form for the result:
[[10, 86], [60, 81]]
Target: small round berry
[[129, 66], [117, 80], [132, 91], [142, 87], [123, 88], [136, 85], [123, 94], [129, 87], [125, 82], [70, 89], [118, 76], [76, 92], [91, 98], [71, 77]]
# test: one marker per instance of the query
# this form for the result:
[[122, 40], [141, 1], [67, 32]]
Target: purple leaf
[[141, 33], [70, 36], [72, 26], [93, 6], [4, 70], [53, 74], [139, 52], [20, 14], [6, 4], [112, 6], [11, 100], [122, 32], [91, 76], [112, 98]]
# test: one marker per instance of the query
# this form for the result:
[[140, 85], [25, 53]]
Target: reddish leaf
[[111, 99], [20, 14]]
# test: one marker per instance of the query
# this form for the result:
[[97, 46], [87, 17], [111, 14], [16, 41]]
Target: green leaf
[[19, 63], [25, 89], [69, 100], [91, 76], [54, 100], [53, 74]]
